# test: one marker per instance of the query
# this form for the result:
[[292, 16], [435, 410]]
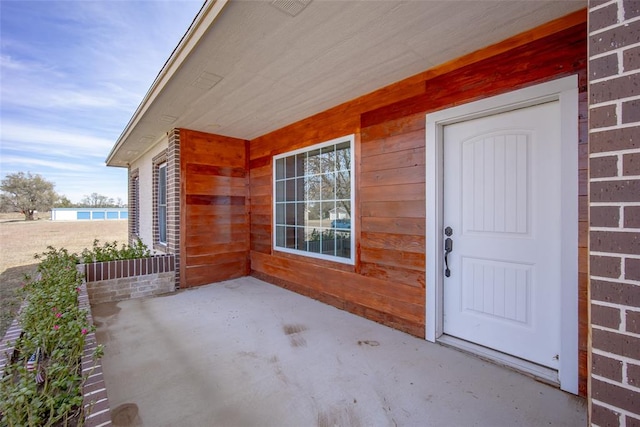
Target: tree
[[27, 193], [323, 185], [95, 200], [63, 202]]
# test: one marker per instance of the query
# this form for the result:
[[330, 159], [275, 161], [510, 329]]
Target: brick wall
[[614, 179], [95, 400], [173, 199], [122, 280], [134, 205]]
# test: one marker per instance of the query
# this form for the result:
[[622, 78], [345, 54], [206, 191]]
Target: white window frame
[[351, 140], [162, 225]]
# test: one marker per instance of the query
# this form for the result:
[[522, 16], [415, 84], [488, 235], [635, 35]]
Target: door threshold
[[538, 372]]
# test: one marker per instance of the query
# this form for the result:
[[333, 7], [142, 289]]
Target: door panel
[[502, 200]]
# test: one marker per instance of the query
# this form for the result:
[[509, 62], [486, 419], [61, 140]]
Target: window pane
[[343, 244], [328, 242], [280, 169], [290, 167], [280, 233], [312, 163], [300, 237], [343, 156], [279, 213], [314, 213], [327, 209], [300, 197], [280, 191], [162, 184], [328, 159], [313, 235], [300, 213], [300, 164], [312, 188], [290, 213], [342, 216], [343, 185], [162, 203], [290, 237], [162, 222], [290, 190], [328, 186]]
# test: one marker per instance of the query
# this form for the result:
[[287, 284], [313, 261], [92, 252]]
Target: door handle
[[448, 247]]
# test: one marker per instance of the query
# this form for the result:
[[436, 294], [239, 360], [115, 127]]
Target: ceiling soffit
[[257, 68]]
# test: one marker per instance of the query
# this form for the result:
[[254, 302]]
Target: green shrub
[[55, 328], [109, 251]]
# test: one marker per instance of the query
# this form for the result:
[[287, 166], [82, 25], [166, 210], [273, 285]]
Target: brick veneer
[[614, 179], [95, 401], [134, 205], [173, 200], [122, 280]]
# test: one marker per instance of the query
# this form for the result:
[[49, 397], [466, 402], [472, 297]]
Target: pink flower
[[84, 331], [58, 315], [56, 327], [54, 309], [78, 289]]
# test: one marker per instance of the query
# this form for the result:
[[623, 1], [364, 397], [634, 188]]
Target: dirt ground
[[20, 240]]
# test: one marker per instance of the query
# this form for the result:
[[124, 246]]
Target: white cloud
[[29, 137], [8, 63], [73, 73], [33, 163]]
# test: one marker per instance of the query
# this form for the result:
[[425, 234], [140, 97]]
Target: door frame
[[564, 90]]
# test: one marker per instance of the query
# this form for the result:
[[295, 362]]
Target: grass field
[[20, 240]]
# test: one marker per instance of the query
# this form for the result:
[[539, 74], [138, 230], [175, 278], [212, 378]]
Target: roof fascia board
[[205, 18]]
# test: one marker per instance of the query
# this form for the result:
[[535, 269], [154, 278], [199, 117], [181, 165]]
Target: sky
[[72, 73]]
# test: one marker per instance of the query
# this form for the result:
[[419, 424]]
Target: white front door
[[502, 202]]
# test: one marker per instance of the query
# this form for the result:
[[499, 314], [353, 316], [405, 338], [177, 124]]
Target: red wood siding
[[214, 238], [387, 284]]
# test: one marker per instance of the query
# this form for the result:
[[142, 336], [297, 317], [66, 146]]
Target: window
[[313, 194], [162, 203]]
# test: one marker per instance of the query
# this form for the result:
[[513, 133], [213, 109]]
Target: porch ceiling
[[246, 68]]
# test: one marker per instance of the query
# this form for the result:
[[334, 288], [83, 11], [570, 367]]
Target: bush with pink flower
[[43, 385]]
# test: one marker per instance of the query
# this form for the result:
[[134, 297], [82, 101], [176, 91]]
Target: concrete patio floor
[[247, 353]]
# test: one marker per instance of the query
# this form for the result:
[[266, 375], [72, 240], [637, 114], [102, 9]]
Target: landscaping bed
[[45, 361], [49, 370]]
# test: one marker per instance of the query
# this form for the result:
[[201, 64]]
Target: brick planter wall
[[121, 280], [95, 400]]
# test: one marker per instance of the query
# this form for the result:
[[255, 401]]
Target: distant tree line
[[93, 200], [28, 193]]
